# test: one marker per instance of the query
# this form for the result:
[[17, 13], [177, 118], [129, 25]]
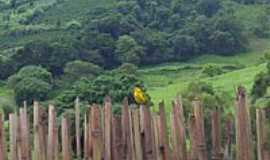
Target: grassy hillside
[[165, 81], [50, 20]]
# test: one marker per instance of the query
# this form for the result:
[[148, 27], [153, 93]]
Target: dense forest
[[99, 53]]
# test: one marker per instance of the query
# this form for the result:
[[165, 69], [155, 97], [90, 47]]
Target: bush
[[30, 72], [30, 89], [77, 69], [31, 83], [212, 70]]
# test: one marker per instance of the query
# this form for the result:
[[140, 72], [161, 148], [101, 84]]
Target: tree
[[77, 69], [184, 46], [30, 72], [128, 50], [31, 83], [30, 89], [208, 7], [50, 56]]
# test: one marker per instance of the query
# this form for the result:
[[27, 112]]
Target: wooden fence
[[137, 134]]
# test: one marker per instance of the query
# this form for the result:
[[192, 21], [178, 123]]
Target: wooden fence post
[[96, 132], [66, 152], [13, 122], [228, 138], [107, 128], [243, 133], [137, 135], [178, 131], [262, 137], [39, 133], [193, 138], [24, 135], [164, 146], [117, 139], [146, 129], [52, 149], [127, 146], [216, 136], [156, 126], [85, 139], [199, 121], [2, 139], [77, 125]]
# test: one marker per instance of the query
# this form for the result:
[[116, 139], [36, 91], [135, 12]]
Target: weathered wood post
[[24, 134], [164, 146], [199, 122], [2, 139], [137, 135], [243, 133], [39, 133], [85, 139], [156, 126], [96, 132], [13, 122], [66, 151], [108, 128], [216, 136], [228, 138], [77, 125], [146, 131], [178, 131], [117, 139], [126, 135], [193, 138], [52, 149], [263, 152]]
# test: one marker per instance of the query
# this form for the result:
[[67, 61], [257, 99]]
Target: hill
[[86, 44]]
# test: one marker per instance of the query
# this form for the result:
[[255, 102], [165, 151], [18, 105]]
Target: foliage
[[31, 83], [128, 50], [30, 89], [212, 70], [77, 68], [117, 85], [30, 72]]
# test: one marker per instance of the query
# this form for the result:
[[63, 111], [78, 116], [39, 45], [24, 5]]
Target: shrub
[[30, 72], [30, 89], [212, 70]]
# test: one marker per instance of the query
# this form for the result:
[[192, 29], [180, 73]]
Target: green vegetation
[[94, 48]]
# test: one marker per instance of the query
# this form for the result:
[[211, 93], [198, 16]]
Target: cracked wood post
[[24, 134], [116, 138], [199, 122], [126, 135], [85, 138], [108, 128], [193, 138], [13, 122], [2, 139], [39, 133], [228, 137], [96, 133], [137, 135], [262, 150], [52, 149], [66, 151], [77, 125], [243, 133], [178, 130], [146, 131], [216, 135], [156, 126], [163, 145]]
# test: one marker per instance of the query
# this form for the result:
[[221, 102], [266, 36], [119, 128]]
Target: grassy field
[[166, 80]]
